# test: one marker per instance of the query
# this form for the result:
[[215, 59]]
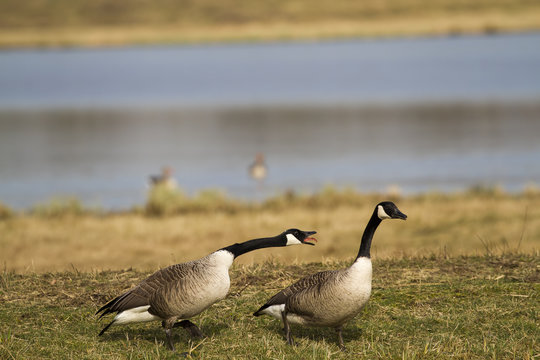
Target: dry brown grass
[[470, 224], [76, 23]]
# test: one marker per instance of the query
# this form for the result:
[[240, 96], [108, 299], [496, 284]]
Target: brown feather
[[292, 291]]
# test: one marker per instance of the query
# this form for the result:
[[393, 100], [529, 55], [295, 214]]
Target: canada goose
[[331, 298], [181, 291], [257, 169], [165, 179]]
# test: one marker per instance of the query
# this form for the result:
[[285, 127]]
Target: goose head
[[295, 237], [389, 210]]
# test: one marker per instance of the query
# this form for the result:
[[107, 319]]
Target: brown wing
[[142, 293], [176, 292], [309, 283]]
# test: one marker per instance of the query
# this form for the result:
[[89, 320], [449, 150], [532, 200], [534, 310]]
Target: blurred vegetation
[[163, 201], [166, 201], [5, 212], [58, 235], [102, 22], [58, 207], [52, 13]]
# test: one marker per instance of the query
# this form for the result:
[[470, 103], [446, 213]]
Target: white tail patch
[[138, 314], [274, 310], [292, 240], [381, 213]]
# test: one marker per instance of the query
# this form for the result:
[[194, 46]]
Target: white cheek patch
[[381, 213], [292, 240]]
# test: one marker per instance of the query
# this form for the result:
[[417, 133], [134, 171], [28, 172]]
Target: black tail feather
[[258, 312], [107, 307], [106, 327], [107, 310]]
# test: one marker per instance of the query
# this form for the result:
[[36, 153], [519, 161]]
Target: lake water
[[424, 114]]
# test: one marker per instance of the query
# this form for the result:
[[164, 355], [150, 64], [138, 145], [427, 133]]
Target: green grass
[[483, 307]]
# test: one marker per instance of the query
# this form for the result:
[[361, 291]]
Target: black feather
[[106, 327]]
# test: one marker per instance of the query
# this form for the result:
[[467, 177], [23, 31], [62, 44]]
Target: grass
[[164, 201], [120, 22], [436, 307], [60, 207], [476, 222], [459, 279]]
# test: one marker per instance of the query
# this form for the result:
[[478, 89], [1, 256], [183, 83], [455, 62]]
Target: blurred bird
[[257, 169], [165, 179]]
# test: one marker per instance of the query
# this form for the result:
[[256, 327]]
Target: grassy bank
[[120, 22], [63, 235], [430, 308]]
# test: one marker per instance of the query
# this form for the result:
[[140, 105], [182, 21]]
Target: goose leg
[[340, 338], [168, 326], [287, 328], [169, 339], [191, 328]]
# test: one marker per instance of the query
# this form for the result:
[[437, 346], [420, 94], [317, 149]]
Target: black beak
[[400, 215], [309, 238]]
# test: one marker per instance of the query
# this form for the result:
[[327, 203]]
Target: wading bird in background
[[165, 179], [258, 169]]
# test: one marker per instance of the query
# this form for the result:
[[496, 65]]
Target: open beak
[[400, 215], [309, 238]]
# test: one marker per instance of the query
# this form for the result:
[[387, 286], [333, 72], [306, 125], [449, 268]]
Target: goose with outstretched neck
[[176, 293]]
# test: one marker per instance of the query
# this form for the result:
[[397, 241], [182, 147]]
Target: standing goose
[[331, 298], [181, 291]]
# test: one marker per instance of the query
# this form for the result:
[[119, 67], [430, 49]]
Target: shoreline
[[162, 202], [148, 35]]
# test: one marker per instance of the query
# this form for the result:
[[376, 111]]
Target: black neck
[[365, 246], [250, 245]]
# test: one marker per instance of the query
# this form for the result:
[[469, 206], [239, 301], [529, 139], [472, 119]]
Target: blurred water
[[105, 157], [423, 114], [426, 69]]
